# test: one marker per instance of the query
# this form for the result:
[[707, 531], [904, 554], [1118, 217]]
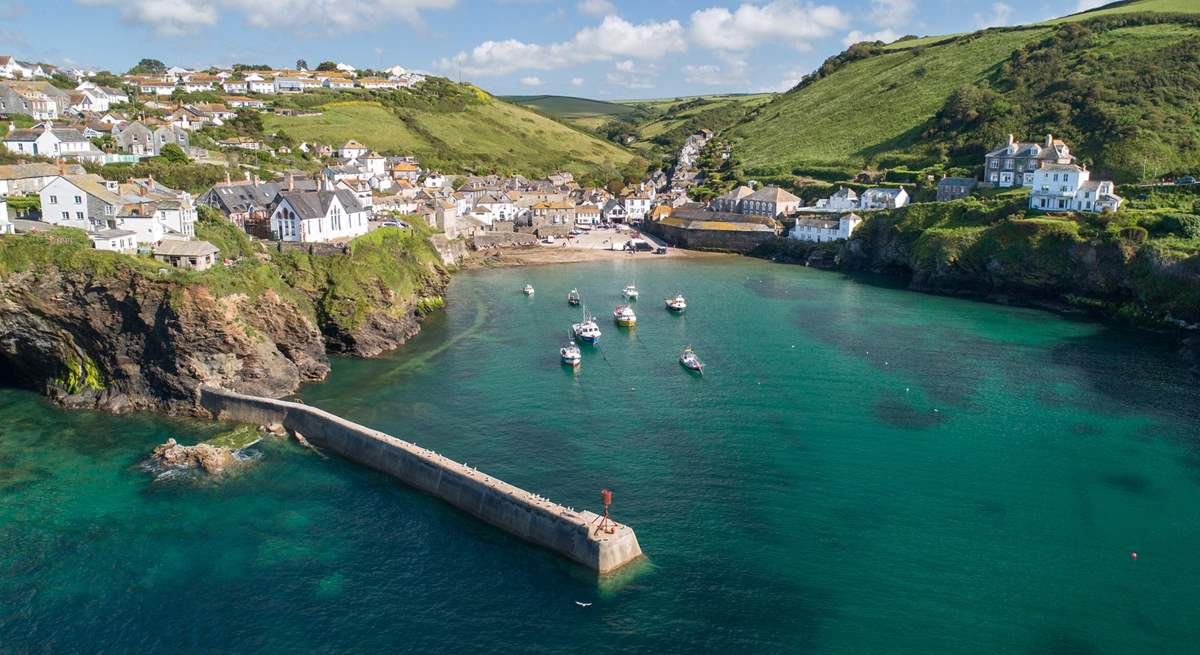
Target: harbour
[[791, 495]]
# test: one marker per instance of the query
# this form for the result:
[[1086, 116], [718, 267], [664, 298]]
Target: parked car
[[1186, 179]]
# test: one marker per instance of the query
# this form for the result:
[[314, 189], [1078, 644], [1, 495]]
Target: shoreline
[[512, 257]]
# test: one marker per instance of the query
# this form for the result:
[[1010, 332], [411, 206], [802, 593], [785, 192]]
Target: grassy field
[[877, 111], [872, 106], [581, 112], [490, 136]]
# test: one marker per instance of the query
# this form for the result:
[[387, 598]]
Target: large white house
[[48, 142], [314, 216], [821, 231], [1068, 187], [88, 202], [1016, 163]]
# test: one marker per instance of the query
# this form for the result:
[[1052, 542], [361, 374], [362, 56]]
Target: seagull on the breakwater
[[583, 604]]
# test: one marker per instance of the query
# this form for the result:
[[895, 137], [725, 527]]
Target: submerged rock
[[213, 459]]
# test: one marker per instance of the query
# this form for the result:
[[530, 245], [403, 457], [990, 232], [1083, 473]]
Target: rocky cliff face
[[122, 339]]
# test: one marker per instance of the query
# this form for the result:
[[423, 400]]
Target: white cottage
[[315, 216], [821, 231]]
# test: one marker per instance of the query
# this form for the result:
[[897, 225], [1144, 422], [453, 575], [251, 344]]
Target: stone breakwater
[[573, 534]]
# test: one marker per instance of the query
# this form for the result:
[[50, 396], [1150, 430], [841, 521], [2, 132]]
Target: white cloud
[[752, 25], [531, 80], [857, 36], [892, 13], [1085, 5], [627, 74], [1001, 14], [576, 81], [731, 73], [176, 17], [613, 37], [165, 17], [790, 79], [596, 7]]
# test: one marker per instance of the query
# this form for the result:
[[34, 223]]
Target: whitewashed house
[[637, 206], [1068, 187], [49, 142], [352, 150], [316, 216], [256, 83], [434, 180], [234, 86], [88, 202], [1016, 163], [114, 240], [821, 231], [882, 198], [499, 206], [842, 200], [6, 227]]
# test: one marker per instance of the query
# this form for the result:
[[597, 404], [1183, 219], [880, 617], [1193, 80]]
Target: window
[[66, 216], [78, 200], [79, 215]]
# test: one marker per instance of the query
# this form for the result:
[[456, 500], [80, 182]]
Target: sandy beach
[[595, 245]]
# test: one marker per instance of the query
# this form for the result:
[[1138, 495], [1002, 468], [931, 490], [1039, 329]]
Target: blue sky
[[593, 48]]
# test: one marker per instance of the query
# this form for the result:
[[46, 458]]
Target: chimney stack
[[227, 180], [291, 181], [247, 177], [1049, 140]]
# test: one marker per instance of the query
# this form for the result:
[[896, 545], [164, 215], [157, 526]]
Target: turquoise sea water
[[861, 470]]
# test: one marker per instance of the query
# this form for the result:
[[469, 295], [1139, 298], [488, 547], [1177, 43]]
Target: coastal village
[[75, 132]]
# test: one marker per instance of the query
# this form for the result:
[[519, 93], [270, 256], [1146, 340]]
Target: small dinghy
[[570, 355], [630, 292], [573, 297], [528, 290]]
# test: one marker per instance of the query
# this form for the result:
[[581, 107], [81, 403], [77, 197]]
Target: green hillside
[[659, 126], [1121, 84], [582, 112], [455, 128]]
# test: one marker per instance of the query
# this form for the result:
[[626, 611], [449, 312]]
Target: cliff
[[1127, 267], [102, 330]]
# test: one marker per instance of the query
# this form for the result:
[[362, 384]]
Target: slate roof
[[182, 248], [772, 194], [957, 181], [315, 204], [238, 197]]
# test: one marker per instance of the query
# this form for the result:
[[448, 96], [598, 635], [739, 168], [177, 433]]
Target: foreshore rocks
[[213, 459]]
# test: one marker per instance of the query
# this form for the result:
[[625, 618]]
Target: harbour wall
[[738, 241], [568, 532]]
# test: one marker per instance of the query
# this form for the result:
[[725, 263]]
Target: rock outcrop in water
[[213, 459], [96, 329]]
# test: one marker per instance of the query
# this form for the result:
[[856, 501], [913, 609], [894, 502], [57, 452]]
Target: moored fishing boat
[[528, 290], [573, 297], [586, 330], [690, 361], [624, 316], [676, 304], [570, 355], [630, 292]]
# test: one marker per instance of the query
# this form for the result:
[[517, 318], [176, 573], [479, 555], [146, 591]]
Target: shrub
[[1134, 233], [1184, 225]]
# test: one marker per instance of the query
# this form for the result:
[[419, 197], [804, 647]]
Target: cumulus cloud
[[857, 36], [596, 7], [612, 38], [164, 17], [531, 80], [732, 72], [1000, 15], [892, 12], [633, 76], [576, 81], [176, 17], [751, 25], [1085, 5]]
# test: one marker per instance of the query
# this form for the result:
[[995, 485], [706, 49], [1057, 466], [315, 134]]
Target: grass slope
[[879, 110], [581, 112], [484, 136]]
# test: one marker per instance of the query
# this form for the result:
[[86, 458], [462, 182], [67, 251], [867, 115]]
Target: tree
[[173, 154], [327, 66], [247, 122], [301, 65], [148, 67]]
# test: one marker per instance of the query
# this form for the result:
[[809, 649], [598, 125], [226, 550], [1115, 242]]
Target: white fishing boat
[[624, 316], [587, 330], [528, 290], [690, 361], [630, 292], [573, 297], [677, 304], [570, 355]]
